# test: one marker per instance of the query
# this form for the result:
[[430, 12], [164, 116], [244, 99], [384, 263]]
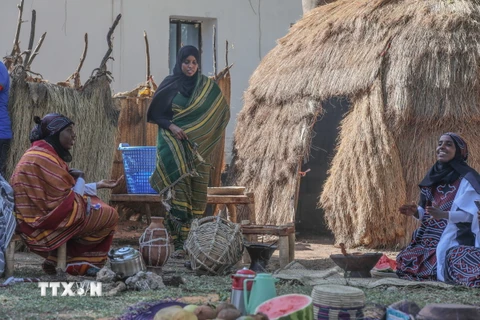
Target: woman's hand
[[408, 209], [436, 213], [75, 173], [108, 183], [178, 132]]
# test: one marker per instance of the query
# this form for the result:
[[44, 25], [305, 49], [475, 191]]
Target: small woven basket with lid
[[214, 245], [333, 302]]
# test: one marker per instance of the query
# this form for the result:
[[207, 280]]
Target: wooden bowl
[[441, 311], [358, 265], [220, 191]]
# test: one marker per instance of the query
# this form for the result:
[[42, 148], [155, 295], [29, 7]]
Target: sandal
[[178, 254]]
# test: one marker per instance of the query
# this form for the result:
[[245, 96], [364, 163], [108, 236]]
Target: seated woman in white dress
[[446, 245]]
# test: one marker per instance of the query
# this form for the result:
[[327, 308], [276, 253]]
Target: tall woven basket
[[214, 245]]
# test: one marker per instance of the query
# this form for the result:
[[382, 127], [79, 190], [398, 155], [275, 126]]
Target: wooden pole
[[62, 257], [284, 249], [109, 42], [84, 53], [16, 46], [9, 261], [36, 50], [32, 37], [147, 53], [215, 51], [226, 53], [76, 75]]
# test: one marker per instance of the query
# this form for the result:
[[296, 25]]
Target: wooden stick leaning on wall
[[76, 75], [103, 65], [16, 43], [215, 52], [36, 50], [109, 42], [32, 37], [10, 60], [147, 54]]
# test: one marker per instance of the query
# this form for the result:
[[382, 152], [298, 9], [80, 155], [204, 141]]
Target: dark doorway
[[309, 220]]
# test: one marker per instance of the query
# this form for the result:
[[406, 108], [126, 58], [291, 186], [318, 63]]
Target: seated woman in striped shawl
[[191, 114], [53, 205]]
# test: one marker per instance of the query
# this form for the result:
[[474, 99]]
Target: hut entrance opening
[[309, 219]]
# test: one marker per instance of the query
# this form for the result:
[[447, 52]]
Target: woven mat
[[296, 271]]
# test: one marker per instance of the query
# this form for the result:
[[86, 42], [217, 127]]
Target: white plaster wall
[[251, 27]]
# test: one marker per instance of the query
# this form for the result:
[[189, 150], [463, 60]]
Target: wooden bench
[[231, 201], [286, 238], [10, 257]]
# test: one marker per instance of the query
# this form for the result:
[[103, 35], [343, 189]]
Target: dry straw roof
[[410, 70]]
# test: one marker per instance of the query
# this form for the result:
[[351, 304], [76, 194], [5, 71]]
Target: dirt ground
[[313, 252], [22, 301]]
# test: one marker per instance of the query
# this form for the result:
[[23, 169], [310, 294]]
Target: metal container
[[126, 261], [237, 296]]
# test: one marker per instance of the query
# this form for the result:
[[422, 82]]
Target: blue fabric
[[7, 219], [5, 124]]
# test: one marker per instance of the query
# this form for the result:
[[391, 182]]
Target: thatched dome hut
[[409, 70]]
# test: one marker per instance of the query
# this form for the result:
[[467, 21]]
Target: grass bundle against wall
[[365, 178], [91, 109], [409, 68]]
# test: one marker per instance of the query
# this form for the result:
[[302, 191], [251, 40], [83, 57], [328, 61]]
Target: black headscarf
[[450, 171], [48, 128], [171, 85]]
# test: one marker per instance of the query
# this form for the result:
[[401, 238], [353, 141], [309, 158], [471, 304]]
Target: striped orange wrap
[[49, 213]]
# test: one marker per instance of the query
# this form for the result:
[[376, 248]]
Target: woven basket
[[214, 245], [333, 302]]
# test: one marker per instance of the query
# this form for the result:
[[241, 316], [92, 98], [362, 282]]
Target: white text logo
[[71, 289]]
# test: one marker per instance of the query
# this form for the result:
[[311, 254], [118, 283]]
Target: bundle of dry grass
[[410, 70], [91, 109]]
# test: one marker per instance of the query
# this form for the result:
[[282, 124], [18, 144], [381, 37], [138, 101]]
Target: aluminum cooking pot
[[126, 261]]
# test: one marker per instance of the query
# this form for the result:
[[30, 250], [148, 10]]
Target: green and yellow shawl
[[203, 119]]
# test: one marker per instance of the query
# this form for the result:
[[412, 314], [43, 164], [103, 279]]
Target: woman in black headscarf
[[191, 114], [446, 210], [53, 205]]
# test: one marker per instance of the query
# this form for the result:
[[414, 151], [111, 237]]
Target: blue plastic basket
[[139, 164]]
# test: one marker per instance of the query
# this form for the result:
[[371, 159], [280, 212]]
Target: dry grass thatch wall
[[91, 109], [410, 69]]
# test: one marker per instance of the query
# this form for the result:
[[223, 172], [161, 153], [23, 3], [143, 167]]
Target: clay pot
[[154, 245]]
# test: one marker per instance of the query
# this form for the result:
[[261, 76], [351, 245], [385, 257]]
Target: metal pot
[[126, 261]]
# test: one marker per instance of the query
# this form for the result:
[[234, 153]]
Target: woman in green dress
[[191, 114]]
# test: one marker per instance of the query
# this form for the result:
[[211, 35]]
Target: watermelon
[[386, 264], [288, 307]]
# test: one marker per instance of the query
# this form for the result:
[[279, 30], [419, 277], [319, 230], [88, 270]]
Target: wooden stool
[[10, 258], [286, 238]]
